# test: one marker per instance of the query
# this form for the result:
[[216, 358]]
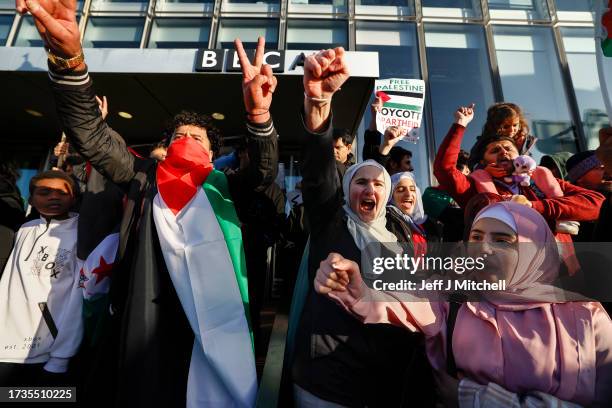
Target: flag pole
[[599, 35]]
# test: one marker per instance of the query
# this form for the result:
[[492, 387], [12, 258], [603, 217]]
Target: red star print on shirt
[[103, 270]]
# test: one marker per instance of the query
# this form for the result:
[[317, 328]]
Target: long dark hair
[[499, 112]]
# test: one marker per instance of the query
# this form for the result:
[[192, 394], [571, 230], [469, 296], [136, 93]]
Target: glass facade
[[27, 36], [261, 6], [530, 73], [385, 7], [579, 47], [519, 9], [317, 6], [574, 5], [179, 33], [6, 22], [316, 34], [458, 76], [104, 6], [248, 31], [396, 44], [110, 32], [480, 51], [397, 47], [457, 8]]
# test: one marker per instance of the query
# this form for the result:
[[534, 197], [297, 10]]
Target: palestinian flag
[[402, 100], [200, 237], [606, 31]]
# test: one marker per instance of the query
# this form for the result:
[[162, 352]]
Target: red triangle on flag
[[383, 96]]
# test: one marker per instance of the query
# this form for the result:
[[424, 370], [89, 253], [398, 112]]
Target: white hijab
[[365, 233], [418, 215]]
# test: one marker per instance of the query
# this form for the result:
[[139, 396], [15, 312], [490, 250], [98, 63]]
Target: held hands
[[56, 23], [464, 115], [258, 82], [338, 274]]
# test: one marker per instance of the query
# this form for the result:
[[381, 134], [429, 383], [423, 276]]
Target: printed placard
[[403, 101]]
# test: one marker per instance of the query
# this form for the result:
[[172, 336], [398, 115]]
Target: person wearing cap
[[585, 170], [556, 163], [576, 203]]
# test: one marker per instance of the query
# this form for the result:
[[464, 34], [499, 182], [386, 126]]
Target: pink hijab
[[534, 341], [526, 340], [538, 259]]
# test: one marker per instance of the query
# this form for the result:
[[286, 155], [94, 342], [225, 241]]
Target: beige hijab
[[365, 233]]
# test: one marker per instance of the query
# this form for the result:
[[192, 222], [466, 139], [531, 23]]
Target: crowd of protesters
[[140, 276]]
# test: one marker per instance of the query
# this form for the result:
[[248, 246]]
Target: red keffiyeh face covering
[[186, 167]]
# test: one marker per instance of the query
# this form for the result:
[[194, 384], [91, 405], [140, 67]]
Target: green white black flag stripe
[[202, 247]]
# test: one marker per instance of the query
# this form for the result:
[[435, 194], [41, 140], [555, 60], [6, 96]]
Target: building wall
[[539, 54]]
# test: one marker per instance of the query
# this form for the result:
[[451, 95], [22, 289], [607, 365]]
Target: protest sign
[[603, 37], [403, 101]]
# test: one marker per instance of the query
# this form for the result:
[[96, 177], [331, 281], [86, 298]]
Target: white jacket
[[40, 299]]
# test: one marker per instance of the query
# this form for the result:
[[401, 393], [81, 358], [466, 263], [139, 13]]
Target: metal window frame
[[212, 45], [430, 145], [120, 15], [13, 30], [351, 17], [498, 92], [568, 84], [349, 28]]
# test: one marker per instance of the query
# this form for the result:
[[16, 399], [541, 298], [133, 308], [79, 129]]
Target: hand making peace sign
[[258, 82]]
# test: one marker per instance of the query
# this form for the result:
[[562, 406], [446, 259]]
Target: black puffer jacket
[[396, 224]]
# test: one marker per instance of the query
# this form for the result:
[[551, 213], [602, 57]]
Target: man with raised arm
[[179, 306]]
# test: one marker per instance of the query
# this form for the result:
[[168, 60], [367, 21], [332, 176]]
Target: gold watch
[[62, 64]]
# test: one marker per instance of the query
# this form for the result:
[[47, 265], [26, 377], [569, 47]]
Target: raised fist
[[324, 73]]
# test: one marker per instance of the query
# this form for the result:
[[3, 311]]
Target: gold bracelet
[[63, 64]]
